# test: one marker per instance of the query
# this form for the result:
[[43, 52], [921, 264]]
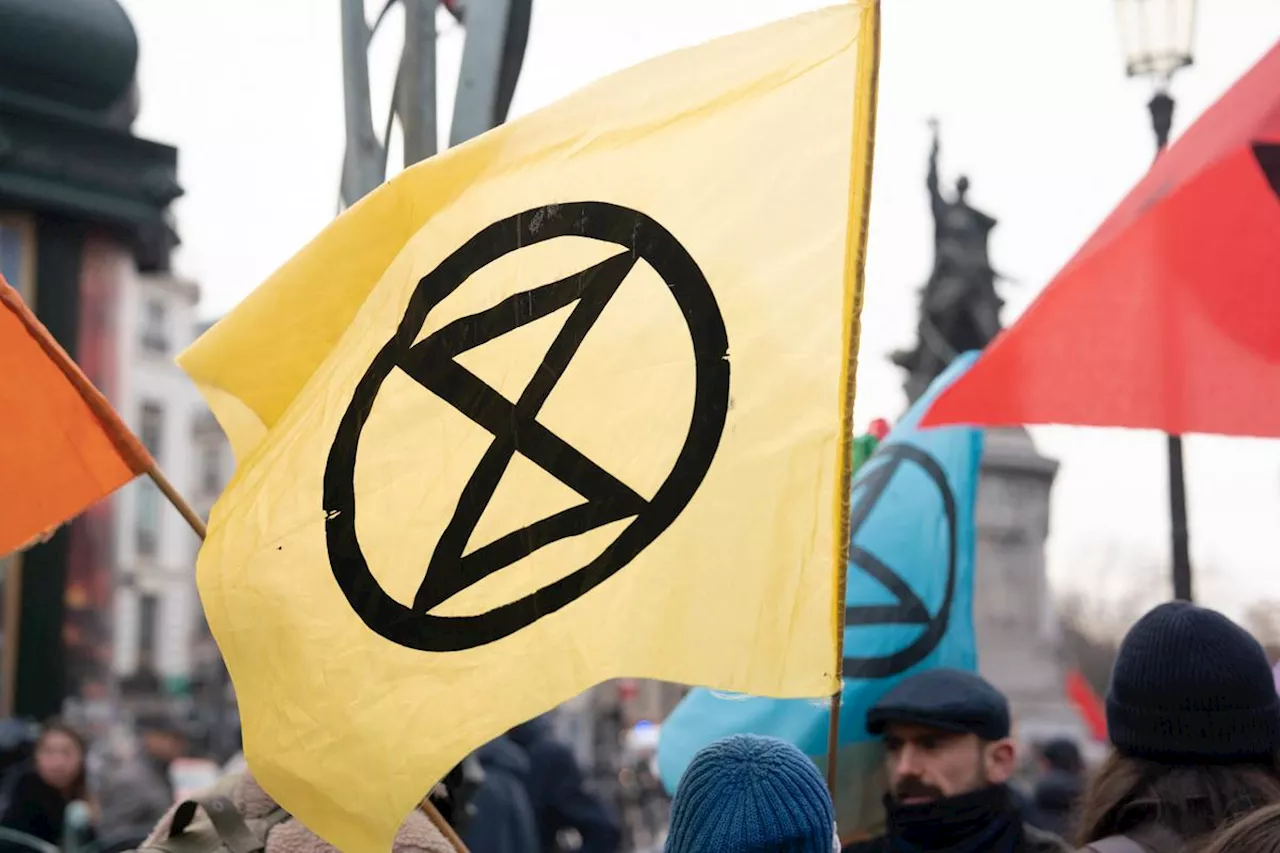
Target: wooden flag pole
[[833, 742], [184, 509], [856, 249], [197, 524], [438, 821], [833, 738]]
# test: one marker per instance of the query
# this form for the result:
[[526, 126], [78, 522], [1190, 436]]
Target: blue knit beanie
[[752, 794]]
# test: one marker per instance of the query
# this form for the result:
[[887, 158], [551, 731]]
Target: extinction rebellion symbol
[[889, 462], [515, 428]]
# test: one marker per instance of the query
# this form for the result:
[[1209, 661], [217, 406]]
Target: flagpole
[[437, 820], [184, 509], [833, 738], [856, 255]]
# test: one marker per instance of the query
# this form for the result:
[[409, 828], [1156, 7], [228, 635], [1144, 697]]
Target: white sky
[[1035, 109]]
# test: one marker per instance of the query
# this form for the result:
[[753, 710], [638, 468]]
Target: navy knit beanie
[[752, 794], [1190, 686]]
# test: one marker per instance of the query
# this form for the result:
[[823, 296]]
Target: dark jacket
[[1034, 841], [36, 808], [502, 821], [1053, 803], [560, 801]]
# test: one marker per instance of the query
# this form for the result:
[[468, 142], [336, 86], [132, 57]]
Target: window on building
[[151, 431], [148, 629], [211, 470], [155, 336], [151, 428], [148, 529]]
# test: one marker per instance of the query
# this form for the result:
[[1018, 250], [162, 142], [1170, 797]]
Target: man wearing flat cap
[[948, 758]]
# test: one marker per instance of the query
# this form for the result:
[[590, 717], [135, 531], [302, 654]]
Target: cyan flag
[[909, 608]]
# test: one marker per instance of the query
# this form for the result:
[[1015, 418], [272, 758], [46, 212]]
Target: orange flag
[[64, 446]]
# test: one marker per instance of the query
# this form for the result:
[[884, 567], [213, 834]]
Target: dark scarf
[[984, 821]]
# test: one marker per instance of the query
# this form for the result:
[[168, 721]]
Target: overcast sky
[[1035, 109]]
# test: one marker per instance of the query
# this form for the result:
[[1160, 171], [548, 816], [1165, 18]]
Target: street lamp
[[1157, 36]]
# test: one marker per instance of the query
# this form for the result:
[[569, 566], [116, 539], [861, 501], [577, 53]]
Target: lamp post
[[1157, 36]]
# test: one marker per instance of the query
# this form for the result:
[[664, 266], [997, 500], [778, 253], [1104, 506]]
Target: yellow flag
[[566, 403]]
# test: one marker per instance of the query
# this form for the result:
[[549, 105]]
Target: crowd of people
[[1192, 712], [1194, 723], [523, 792], [57, 788]]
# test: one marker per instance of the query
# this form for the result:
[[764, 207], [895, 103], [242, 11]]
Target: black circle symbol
[[515, 427], [909, 609]]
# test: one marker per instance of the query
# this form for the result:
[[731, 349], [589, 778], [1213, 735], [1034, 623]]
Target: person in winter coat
[[949, 758], [501, 819], [17, 751], [750, 793], [1058, 790], [134, 794], [255, 806], [560, 801], [55, 778], [1194, 720]]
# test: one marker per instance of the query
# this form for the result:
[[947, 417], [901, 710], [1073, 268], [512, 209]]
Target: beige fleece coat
[[417, 834]]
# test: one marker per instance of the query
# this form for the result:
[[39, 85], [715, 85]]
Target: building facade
[[84, 205], [157, 622]]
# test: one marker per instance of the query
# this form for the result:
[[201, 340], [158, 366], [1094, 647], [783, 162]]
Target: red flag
[[64, 446], [1086, 703], [1167, 317]]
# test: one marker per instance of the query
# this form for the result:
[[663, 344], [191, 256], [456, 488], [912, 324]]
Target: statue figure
[[959, 307]]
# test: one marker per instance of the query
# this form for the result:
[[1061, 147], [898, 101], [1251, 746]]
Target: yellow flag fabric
[[566, 403]]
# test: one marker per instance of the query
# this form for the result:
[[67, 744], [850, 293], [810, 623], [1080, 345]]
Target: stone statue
[[959, 307]]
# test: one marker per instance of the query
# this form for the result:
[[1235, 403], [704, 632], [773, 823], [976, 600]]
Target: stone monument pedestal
[[1016, 624]]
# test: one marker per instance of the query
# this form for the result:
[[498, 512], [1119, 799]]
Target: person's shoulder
[[549, 752], [27, 784], [27, 777], [1041, 841]]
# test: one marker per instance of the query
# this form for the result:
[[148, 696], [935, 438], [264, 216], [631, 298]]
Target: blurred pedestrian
[[136, 792], [752, 794], [1058, 789], [501, 819], [1194, 720], [17, 753], [558, 793], [55, 779], [949, 758]]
